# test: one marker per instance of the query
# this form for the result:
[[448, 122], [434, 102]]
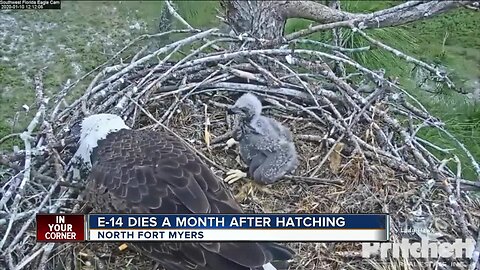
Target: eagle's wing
[[278, 128], [150, 172]]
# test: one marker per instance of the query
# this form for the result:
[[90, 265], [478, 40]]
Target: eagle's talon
[[231, 142], [233, 176]]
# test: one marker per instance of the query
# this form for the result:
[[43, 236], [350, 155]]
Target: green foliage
[[375, 58], [460, 54], [69, 43], [462, 119], [199, 13]]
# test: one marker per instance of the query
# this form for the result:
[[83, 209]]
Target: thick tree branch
[[316, 12], [394, 16], [266, 19], [397, 15], [260, 19]]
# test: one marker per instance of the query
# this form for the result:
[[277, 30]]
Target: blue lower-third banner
[[239, 227]]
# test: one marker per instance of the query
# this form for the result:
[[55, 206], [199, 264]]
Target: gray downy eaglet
[[153, 172], [266, 146]]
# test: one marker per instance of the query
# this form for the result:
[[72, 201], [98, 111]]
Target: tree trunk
[[260, 19]]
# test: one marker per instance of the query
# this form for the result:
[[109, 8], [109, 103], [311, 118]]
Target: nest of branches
[[358, 147]]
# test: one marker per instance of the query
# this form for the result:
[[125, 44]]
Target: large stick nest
[[359, 147]]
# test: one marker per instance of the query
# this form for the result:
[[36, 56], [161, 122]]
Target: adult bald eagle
[[151, 172]]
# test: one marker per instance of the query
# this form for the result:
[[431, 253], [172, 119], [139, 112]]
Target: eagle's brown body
[[152, 172]]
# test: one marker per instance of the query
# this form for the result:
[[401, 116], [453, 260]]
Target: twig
[[331, 47], [46, 255], [465, 150], [26, 137], [304, 85], [407, 58], [32, 256], [327, 155], [165, 75], [148, 57], [177, 16], [476, 254], [9, 136], [26, 225], [317, 28], [313, 180]]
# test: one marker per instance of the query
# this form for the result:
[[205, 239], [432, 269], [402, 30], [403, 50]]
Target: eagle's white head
[[94, 128]]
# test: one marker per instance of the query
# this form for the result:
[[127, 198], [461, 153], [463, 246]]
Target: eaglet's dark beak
[[233, 110]]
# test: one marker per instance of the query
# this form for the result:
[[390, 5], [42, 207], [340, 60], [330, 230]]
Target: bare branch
[[407, 58], [315, 11], [397, 15], [394, 17]]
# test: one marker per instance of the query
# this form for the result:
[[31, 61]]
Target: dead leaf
[[122, 247], [335, 158], [207, 136]]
